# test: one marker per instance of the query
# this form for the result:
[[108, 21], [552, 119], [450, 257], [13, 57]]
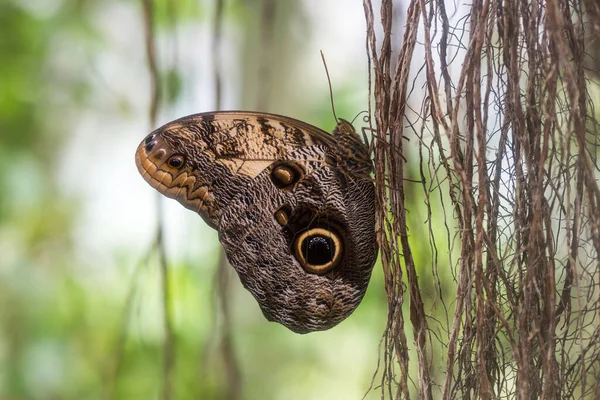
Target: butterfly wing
[[203, 160], [295, 223], [306, 287]]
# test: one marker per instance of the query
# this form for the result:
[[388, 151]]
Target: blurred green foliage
[[75, 325], [35, 219]]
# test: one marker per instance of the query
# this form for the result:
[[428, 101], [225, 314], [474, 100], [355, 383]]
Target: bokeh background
[[80, 297]]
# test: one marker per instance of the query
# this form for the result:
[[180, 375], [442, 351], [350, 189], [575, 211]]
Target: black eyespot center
[[149, 138], [176, 161], [149, 145], [318, 249]]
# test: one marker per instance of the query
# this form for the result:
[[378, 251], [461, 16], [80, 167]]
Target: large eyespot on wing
[[320, 283], [318, 250], [205, 160]]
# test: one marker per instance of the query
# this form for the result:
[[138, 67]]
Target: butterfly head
[[346, 128], [355, 153]]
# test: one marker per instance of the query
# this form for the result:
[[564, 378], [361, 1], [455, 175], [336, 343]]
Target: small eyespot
[[282, 216], [160, 154], [285, 175], [318, 250], [176, 161], [149, 145], [149, 138]]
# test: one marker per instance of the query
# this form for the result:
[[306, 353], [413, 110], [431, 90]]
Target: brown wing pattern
[[260, 248], [294, 206], [220, 153]]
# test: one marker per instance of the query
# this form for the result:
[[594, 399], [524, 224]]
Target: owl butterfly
[[294, 206]]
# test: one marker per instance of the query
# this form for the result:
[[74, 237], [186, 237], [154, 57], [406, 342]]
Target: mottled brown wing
[[203, 160], [294, 206], [302, 289]]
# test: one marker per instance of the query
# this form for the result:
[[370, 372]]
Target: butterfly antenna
[[330, 89], [366, 118]]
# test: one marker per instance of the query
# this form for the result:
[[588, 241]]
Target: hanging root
[[507, 140]]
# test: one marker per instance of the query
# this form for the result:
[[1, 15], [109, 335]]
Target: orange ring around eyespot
[[319, 269]]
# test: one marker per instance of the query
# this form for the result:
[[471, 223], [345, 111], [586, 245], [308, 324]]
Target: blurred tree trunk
[[274, 34]]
